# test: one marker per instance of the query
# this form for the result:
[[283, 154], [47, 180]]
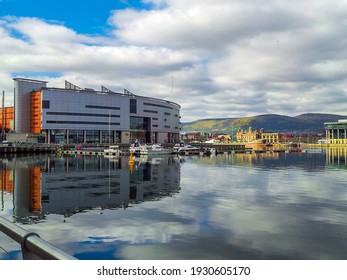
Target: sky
[[216, 58]]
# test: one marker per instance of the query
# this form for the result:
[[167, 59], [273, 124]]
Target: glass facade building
[[73, 115]]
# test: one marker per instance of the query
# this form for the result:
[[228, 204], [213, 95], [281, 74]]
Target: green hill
[[305, 123]]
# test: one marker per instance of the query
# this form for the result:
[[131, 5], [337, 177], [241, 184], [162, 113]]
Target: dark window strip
[[102, 107], [150, 111], [81, 114], [157, 105], [81, 122]]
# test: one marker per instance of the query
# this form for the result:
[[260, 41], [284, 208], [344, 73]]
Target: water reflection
[[337, 157], [314, 160], [68, 185], [237, 206]]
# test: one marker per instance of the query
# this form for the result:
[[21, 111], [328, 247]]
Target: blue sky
[[216, 58], [83, 16]]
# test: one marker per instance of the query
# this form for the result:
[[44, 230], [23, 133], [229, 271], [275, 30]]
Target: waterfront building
[[247, 135], [270, 137], [336, 132], [83, 115], [256, 135]]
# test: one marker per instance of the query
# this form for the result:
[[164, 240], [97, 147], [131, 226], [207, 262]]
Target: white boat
[[135, 148], [155, 149], [210, 151], [181, 148], [113, 150]]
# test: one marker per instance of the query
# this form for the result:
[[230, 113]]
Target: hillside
[[302, 124]]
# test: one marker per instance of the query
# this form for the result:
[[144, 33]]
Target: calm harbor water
[[237, 206]]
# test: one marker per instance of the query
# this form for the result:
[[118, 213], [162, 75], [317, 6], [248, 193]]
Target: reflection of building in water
[[35, 190], [337, 156], [274, 161], [6, 183], [70, 185], [254, 158]]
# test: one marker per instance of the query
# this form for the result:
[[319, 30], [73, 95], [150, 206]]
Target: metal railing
[[36, 145], [32, 246]]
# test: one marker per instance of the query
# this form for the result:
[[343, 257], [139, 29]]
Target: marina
[[227, 206], [156, 149]]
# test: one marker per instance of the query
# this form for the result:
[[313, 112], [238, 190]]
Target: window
[[150, 111], [139, 123], [133, 106], [102, 107], [84, 122], [157, 105], [45, 104], [82, 114]]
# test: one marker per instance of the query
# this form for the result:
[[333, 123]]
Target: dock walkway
[[29, 148]]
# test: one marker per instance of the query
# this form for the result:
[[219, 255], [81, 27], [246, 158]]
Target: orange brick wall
[[35, 118], [8, 116]]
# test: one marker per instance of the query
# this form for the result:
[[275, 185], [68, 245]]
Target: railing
[[32, 246], [36, 145]]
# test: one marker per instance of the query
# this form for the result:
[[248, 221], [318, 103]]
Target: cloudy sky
[[216, 58]]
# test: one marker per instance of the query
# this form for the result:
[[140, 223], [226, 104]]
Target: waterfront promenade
[[97, 149]]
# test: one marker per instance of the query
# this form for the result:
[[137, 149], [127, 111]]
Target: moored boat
[[135, 148], [155, 149], [183, 148], [113, 150]]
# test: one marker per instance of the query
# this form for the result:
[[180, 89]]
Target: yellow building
[[251, 136], [270, 137], [247, 135]]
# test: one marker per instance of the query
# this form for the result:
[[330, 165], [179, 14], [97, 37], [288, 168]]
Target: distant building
[[191, 136], [256, 135], [270, 137], [336, 132], [247, 135]]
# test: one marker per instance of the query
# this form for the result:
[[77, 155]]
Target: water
[[237, 206]]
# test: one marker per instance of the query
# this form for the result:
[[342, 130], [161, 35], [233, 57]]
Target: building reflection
[[337, 157], [68, 185]]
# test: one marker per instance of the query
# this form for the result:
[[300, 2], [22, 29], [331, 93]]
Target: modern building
[[336, 132], [82, 115]]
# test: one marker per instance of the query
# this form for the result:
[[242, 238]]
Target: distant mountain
[[305, 123]]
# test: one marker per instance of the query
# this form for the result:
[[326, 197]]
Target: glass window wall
[[93, 136], [107, 136], [137, 123], [76, 136], [58, 136]]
